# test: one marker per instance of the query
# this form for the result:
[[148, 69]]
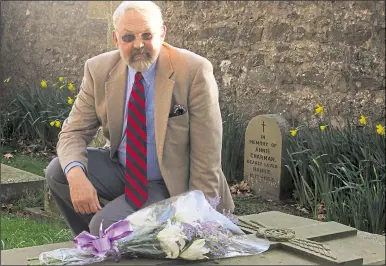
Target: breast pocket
[[178, 129]]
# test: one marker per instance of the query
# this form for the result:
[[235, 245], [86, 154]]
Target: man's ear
[[163, 34], [115, 39]]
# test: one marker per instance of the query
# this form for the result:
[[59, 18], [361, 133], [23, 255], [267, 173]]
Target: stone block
[[16, 183], [346, 245], [280, 32]]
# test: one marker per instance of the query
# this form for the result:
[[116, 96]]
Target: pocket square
[[177, 110]]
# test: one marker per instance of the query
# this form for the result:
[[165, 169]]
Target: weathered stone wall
[[281, 57], [48, 39]]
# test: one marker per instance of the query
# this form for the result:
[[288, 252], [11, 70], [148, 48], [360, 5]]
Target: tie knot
[[138, 76]]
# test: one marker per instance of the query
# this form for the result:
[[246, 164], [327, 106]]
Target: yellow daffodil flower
[[7, 80], [380, 129], [52, 123], [57, 123], [43, 83], [322, 127], [61, 87], [71, 87], [70, 100], [363, 120], [293, 132], [319, 109], [61, 79]]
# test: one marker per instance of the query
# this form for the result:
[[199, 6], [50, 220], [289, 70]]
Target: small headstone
[[264, 157], [16, 183]]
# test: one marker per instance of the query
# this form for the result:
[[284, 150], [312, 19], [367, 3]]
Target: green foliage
[[232, 156], [29, 163], [34, 108], [19, 232], [344, 169]]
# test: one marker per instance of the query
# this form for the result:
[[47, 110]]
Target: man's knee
[[96, 221], [54, 172]]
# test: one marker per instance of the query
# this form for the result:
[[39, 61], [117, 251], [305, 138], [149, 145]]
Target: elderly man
[[158, 107]]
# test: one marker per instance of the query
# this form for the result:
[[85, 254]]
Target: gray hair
[[141, 7]]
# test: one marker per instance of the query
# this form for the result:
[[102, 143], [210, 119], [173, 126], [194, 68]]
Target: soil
[[245, 205]]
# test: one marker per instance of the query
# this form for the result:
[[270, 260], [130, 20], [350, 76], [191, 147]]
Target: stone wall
[[268, 56], [48, 39]]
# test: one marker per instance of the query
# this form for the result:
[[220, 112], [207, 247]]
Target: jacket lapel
[[115, 89], [162, 99]]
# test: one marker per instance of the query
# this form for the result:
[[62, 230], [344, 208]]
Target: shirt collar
[[148, 75]]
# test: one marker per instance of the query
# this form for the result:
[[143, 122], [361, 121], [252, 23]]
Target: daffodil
[[53, 85], [172, 239], [319, 109], [293, 132], [71, 87], [322, 127], [70, 100], [380, 129], [61, 87], [52, 123], [362, 120], [195, 251], [61, 79], [43, 83], [57, 123], [7, 80]]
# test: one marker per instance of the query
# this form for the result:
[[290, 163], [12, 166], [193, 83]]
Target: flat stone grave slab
[[346, 245], [16, 182]]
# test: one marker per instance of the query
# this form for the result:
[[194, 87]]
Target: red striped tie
[[136, 167]]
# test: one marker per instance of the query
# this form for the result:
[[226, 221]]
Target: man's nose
[[138, 43]]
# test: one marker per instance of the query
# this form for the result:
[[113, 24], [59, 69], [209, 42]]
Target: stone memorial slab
[[264, 157], [16, 183], [313, 243]]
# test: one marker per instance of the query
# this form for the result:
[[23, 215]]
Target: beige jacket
[[188, 146]]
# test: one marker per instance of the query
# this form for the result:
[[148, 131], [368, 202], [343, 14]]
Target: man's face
[[138, 53]]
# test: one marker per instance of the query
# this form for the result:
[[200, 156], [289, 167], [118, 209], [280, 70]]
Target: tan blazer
[[188, 146]]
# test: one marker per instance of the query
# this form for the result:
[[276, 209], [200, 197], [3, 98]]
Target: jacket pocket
[[178, 129]]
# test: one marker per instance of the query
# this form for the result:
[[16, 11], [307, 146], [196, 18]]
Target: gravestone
[[16, 183], [264, 157], [345, 245]]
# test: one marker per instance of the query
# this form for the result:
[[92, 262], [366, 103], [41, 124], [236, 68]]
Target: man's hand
[[82, 192]]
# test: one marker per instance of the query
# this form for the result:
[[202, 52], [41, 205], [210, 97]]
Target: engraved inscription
[[262, 158]]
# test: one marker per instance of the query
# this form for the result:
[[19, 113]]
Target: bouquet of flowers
[[183, 227]]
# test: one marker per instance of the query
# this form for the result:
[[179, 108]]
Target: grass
[[19, 232], [232, 155], [28, 163]]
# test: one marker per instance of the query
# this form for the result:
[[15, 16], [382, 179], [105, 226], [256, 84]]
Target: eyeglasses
[[145, 36]]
